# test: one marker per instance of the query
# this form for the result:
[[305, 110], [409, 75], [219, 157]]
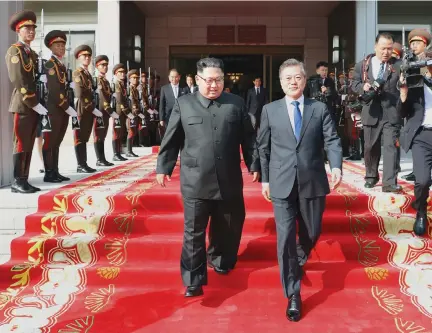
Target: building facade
[[253, 38]]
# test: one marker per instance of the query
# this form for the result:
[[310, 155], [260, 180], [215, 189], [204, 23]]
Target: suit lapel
[[284, 115], [308, 112]]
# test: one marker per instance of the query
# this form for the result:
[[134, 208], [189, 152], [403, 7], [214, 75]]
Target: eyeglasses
[[209, 80]]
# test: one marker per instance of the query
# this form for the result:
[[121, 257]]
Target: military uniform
[[132, 124], [83, 89], [122, 109], [104, 91], [57, 105], [21, 62]]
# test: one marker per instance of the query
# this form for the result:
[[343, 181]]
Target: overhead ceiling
[[237, 8]]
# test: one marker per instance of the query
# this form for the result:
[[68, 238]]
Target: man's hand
[[366, 86], [266, 192], [162, 123], [323, 89], [336, 178], [256, 176], [160, 178]]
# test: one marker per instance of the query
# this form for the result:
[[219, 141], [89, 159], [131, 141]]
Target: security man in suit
[[168, 96], [208, 127], [256, 98], [133, 123], [104, 91], [57, 104], [85, 106], [375, 80], [122, 109], [21, 62], [415, 105], [191, 87]]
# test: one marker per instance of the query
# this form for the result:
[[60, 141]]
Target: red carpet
[[102, 256]]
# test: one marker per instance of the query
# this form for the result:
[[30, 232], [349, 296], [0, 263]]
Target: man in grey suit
[[293, 132], [209, 126]]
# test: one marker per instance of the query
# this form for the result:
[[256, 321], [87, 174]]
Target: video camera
[[376, 89], [410, 69]]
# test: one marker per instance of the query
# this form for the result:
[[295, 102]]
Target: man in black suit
[[191, 87], [256, 98], [209, 127], [294, 130], [415, 105], [375, 80], [168, 95]]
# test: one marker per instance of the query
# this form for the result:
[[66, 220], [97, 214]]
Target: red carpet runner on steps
[[102, 256]]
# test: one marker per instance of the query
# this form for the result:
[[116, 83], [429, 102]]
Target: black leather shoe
[[194, 291], [85, 169], [131, 154], [61, 177], [51, 177], [104, 163], [392, 188], [293, 311], [221, 271], [420, 224], [370, 183], [21, 186], [409, 177]]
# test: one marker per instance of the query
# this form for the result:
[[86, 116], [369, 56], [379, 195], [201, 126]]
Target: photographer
[[375, 80], [418, 40], [415, 105]]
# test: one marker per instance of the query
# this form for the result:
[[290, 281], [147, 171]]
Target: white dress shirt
[[175, 90], [376, 64], [427, 119]]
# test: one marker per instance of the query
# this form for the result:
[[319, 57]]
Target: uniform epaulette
[[49, 64], [14, 50]]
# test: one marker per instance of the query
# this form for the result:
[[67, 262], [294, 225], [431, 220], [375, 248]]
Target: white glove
[[40, 109], [131, 116], [114, 115], [97, 113], [71, 112], [141, 116]]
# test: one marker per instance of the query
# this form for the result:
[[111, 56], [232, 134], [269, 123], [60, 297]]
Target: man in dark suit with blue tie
[[293, 132]]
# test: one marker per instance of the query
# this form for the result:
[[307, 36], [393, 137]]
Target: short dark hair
[[385, 35], [321, 63], [173, 70], [190, 75], [209, 63], [257, 77]]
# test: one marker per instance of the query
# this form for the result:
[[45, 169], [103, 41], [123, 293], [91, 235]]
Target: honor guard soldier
[[132, 122], [85, 106], [21, 62], [104, 90], [143, 131], [397, 50], [122, 109], [58, 106]]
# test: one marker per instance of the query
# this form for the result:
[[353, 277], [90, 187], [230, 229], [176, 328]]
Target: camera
[[375, 90], [315, 84], [410, 68]]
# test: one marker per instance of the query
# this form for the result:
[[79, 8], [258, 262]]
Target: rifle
[[99, 120], [155, 97], [40, 85], [117, 123], [69, 90], [132, 121], [141, 102]]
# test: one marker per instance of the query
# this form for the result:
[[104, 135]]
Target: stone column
[[7, 37], [108, 32], [366, 27]]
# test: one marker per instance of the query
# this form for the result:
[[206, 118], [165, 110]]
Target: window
[[336, 50], [396, 30]]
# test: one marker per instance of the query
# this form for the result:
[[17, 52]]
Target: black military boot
[[20, 185], [81, 151], [129, 144], [56, 152], [100, 154], [28, 157], [50, 175]]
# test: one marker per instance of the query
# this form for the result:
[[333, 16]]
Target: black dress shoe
[[118, 157], [409, 177], [194, 291], [51, 177], [104, 163], [370, 183], [420, 224], [131, 154], [63, 178], [85, 169], [293, 311], [392, 188], [221, 271]]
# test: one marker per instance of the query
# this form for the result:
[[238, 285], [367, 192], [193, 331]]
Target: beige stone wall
[[161, 32]]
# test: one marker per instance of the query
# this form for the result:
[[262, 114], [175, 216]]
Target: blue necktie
[[297, 120], [381, 72]]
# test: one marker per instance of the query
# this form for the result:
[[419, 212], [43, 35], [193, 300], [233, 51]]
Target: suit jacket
[[21, 62], [56, 83], [283, 159], [254, 102], [187, 90], [83, 89], [104, 91], [167, 101], [413, 110], [383, 106], [209, 135]]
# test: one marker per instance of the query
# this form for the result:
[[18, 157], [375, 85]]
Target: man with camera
[[375, 80], [415, 105]]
